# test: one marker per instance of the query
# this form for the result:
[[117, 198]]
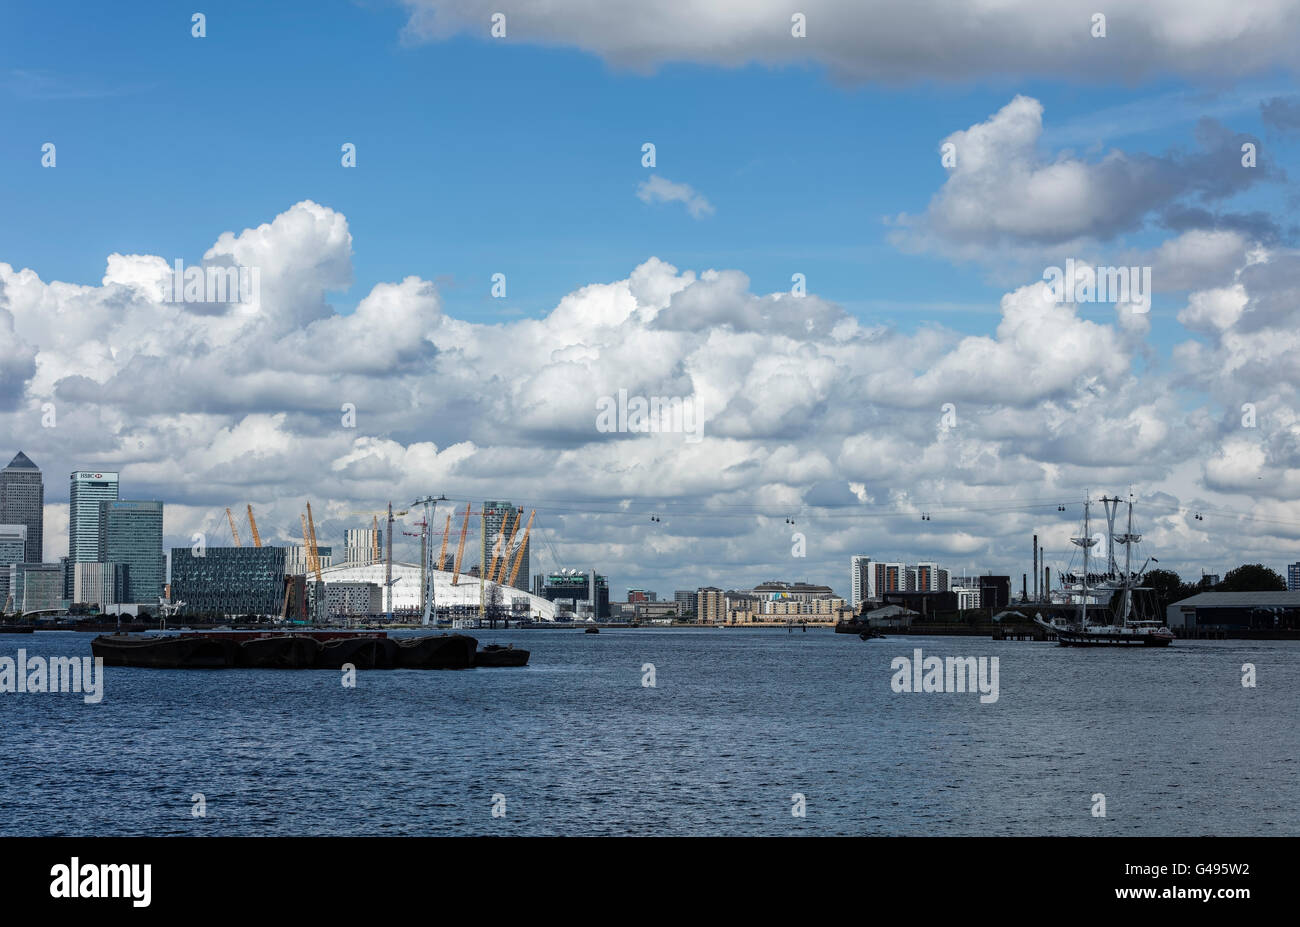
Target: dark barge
[[496, 655], [295, 650]]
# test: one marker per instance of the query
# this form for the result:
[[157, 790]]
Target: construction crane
[[234, 532], [460, 547], [523, 546], [252, 523], [306, 542], [374, 539], [313, 552], [442, 553]]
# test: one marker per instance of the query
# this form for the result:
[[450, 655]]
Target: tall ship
[[1122, 624]]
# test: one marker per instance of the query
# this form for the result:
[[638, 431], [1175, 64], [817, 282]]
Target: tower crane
[[234, 532], [313, 552], [460, 547], [442, 553], [310, 564], [252, 523]]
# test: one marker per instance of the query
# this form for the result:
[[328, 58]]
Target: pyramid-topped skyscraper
[[22, 502]]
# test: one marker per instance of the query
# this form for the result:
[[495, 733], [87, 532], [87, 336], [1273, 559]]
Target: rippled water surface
[[738, 722]]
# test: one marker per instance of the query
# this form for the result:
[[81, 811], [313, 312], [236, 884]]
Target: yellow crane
[[252, 523], [234, 532], [313, 552], [306, 541], [442, 554], [374, 539], [523, 545], [460, 547]]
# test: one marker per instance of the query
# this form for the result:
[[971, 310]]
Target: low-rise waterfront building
[[1237, 611], [357, 599]]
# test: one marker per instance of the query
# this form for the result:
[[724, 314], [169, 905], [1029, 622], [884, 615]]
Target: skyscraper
[[130, 533], [86, 489], [13, 549], [860, 586], [22, 502], [499, 520]]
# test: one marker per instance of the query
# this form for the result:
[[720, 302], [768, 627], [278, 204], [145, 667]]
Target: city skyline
[[837, 324], [407, 550]]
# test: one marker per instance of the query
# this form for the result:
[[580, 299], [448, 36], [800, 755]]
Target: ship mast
[[1128, 540], [1086, 543]]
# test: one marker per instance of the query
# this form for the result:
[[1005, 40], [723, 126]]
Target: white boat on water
[[1131, 630]]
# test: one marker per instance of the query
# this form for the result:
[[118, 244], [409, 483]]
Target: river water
[[740, 729]]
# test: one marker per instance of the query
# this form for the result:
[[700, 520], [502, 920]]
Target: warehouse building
[[1237, 611]]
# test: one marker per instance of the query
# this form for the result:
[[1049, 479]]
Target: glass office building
[[130, 533], [22, 502], [13, 549], [36, 587], [86, 489], [229, 580]]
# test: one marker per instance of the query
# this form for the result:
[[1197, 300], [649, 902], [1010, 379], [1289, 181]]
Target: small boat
[[164, 652], [870, 634], [496, 655], [591, 630], [442, 651], [285, 651]]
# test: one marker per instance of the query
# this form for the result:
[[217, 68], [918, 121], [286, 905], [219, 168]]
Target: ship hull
[[496, 655], [1114, 637], [164, 652], [448, 651], [1110, 639], [281, 652]]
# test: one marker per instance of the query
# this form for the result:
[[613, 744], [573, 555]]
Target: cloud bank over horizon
[[808, 412]]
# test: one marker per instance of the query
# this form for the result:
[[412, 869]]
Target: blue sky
[[523, 156], [477, 157]]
